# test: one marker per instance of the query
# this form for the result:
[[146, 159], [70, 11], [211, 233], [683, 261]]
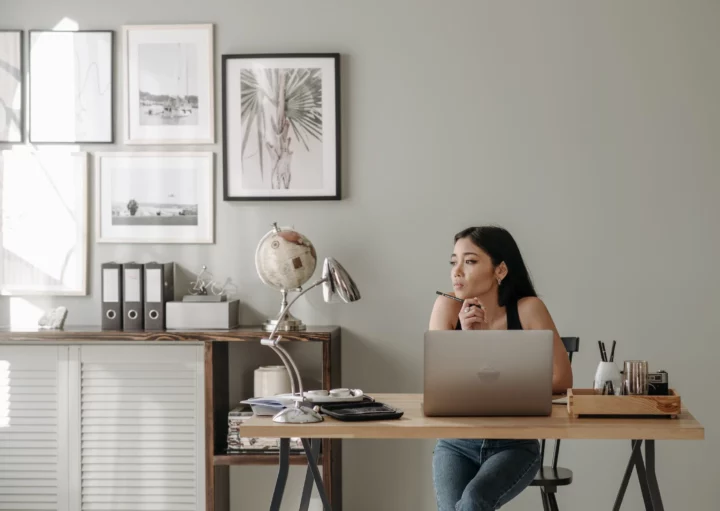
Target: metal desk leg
[[646, 478], [628, 472], [312, 466], [282, 474], [651, 478], [307, 487], [642, 478]]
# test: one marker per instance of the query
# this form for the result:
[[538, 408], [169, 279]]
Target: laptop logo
[[488, 374]]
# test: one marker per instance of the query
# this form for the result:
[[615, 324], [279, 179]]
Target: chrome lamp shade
[[338, 285]]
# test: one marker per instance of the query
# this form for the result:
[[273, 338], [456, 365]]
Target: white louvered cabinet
[[137, 429], [33, 428], [102, 427]]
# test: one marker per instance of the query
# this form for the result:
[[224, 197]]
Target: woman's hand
[[472, 315]]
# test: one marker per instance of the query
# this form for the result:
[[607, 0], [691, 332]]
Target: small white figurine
[[53, 319]]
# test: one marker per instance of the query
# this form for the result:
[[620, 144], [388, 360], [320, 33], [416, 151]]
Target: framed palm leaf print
[[281, 126]]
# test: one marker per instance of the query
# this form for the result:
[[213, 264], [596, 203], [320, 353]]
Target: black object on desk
[[658, 384], [362, 411]]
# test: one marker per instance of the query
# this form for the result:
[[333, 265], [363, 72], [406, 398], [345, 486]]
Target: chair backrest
[[572, 345]]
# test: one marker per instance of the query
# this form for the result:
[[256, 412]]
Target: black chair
[[550, 477]]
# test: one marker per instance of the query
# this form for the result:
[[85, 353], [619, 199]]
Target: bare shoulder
[[531, 305], [444, 314], [532, 311]]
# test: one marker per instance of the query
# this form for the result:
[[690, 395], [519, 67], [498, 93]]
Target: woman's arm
[[444, 315], [535, 316]]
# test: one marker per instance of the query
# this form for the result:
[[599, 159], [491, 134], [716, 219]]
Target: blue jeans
[[482, 475]]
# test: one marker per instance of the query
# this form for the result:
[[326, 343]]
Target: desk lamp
[[337, 286]]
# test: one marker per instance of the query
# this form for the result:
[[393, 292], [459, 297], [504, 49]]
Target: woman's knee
[[503, 476]]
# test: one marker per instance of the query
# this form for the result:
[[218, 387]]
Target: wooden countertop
[[95, 333], [414, 425]]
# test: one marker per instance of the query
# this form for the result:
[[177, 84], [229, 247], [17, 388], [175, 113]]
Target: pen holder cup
[[608, 371]]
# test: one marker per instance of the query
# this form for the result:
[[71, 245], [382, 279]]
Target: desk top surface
[[414, 425]]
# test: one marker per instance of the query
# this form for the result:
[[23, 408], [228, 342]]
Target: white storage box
[[202, 315]]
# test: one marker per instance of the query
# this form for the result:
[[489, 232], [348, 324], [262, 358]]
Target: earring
[[499, 281]]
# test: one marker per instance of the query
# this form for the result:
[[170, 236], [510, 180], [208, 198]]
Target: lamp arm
[[287, 360], [279, 349], [287, 307], [281, 353]]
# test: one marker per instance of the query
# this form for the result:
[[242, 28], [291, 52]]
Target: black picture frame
[[6, 68], [89, 79], [309, 136]]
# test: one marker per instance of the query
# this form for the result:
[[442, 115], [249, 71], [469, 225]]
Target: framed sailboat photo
[[169, 84]]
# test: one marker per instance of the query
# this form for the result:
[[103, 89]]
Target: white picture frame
[[44, 235], [173, 194], [169, 84], [71, 86], [12, 96]]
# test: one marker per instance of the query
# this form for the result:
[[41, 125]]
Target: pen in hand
[[455, 298]]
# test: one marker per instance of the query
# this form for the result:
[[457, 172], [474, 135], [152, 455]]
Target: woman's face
[[471, 270]]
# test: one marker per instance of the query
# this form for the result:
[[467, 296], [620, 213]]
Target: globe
[[285, 259]]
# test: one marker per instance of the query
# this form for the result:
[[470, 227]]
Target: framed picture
[[45, 223], [71, 86], [11, 86], [149, 197], [281, 126], [169, 84]]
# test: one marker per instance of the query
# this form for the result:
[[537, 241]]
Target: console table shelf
[[296, 458], [216, 370]]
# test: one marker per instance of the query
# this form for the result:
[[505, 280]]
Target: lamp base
[[289, 324], [298, 415]]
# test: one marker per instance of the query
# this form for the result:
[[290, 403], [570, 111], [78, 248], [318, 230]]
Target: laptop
[[488, 373]]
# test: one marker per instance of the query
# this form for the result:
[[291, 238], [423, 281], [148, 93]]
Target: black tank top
[[513, 318]]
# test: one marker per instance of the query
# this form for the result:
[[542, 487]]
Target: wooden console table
[[216, 393]]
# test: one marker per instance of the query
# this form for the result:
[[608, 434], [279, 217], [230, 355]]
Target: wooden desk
[[414, 425]]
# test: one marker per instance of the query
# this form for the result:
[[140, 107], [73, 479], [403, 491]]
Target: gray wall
[[590, 130]]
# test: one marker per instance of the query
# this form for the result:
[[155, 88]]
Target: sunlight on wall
[[52, 61], [64, 24], [44, 229], [25, 248], [67, 24], [23, 314]]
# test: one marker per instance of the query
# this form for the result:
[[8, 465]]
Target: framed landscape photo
[[71, 86], [45, 223], [11, 86], [148, 197], [281, 126], [169, 84]]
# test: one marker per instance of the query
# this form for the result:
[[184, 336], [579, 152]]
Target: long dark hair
[[499, 244]]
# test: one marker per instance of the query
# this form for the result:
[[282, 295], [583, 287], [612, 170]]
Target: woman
[[489, 274]]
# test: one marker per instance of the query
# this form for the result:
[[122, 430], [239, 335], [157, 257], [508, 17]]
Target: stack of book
[[238, 444]]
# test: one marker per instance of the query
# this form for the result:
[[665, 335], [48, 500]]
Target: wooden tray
[[584, 402]]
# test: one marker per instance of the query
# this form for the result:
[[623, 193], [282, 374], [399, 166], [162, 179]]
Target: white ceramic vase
[[270, 381], [608, 371]]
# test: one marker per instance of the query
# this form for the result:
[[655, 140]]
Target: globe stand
[[289, 323]]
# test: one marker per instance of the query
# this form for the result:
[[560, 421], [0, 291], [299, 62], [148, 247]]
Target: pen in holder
[[608, 379]]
